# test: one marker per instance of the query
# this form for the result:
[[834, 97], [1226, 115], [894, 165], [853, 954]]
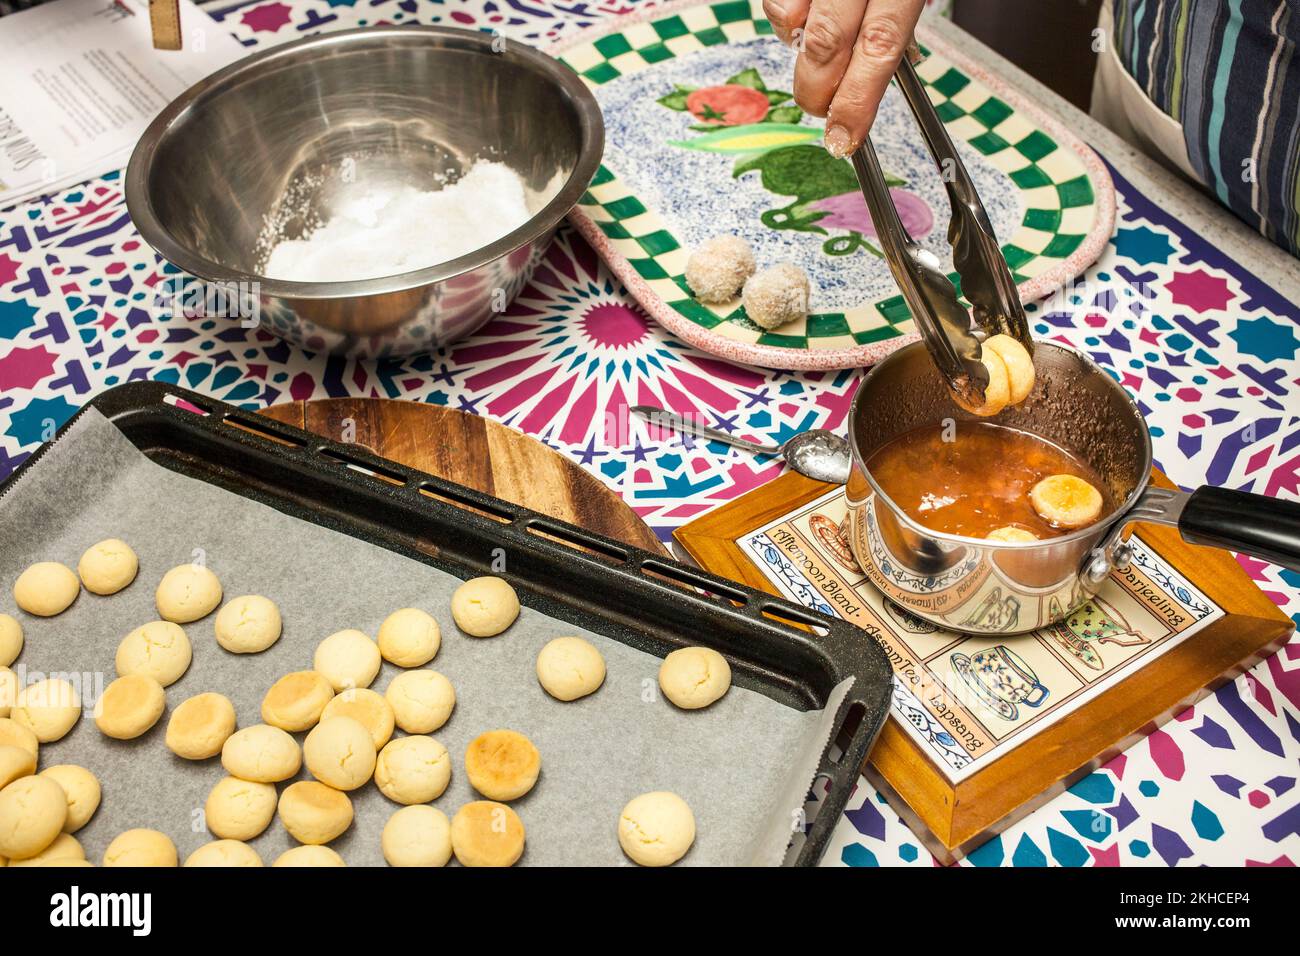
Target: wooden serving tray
[[953, 818], [476, 452]]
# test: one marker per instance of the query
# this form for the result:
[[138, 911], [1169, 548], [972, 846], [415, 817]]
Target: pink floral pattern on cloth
[[1211, 354]]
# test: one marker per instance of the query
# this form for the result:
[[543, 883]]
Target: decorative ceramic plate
[[703, 138]]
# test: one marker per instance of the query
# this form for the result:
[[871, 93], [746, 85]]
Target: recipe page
[[80, 81]]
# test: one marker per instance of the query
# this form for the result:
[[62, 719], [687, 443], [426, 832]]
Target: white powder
[[384, 234]]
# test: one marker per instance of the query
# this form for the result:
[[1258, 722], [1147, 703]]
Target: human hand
[[848, 51]]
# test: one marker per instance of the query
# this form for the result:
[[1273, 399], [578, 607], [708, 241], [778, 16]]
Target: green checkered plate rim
[[1068, 197]]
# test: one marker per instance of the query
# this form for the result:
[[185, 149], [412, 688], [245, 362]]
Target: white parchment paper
[[744, 765]]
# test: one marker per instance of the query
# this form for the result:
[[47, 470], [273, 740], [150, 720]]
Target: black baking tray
[[645, 600]]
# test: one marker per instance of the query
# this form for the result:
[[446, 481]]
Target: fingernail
[[837, 141]]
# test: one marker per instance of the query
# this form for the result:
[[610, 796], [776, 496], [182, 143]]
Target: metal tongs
[[986, 281]]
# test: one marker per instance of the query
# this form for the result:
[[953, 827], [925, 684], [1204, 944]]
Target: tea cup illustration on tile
[[1001, 679]]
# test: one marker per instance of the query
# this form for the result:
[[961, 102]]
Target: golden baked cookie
[[409, 638], [49, 709], [656, 829], [422, 701], [294, 702], [340, 753], [484, 833], [16, 735], [261, 753], [15, 763], [108, 566], [186, 593], [314, 813], [569, 668], [369, 708], [32, 813], [413, 770], [130, 706], [484, 607], [694, 677], [348, 659], [159, 649], [417, 836], [248, 624], [64, 847], [46, 588], [11, 642], [141, 847], [8, 690], [83, 792], [239, 809], [200, 726], [224, 853], [309, 856], [502, 764]]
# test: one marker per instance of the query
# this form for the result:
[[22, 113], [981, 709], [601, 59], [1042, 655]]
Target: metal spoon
[[817, 453]]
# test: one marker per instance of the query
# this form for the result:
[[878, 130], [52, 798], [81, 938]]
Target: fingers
[[885, 32], [825, 52], [786, 16]]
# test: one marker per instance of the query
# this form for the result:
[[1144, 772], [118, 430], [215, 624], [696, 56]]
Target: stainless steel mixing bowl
[[279, 138]]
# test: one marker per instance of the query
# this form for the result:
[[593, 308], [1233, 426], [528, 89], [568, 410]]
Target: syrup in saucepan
[[976, 482]]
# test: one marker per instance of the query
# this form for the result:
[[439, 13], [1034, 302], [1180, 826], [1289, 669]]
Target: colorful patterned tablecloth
[[1210, 353]]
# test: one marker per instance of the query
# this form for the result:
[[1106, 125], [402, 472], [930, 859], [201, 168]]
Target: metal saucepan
[[979, 586]]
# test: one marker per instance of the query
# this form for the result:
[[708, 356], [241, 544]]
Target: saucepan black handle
[[1263, 527]]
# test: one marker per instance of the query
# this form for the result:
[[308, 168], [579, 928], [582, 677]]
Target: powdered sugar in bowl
[[299, 188]]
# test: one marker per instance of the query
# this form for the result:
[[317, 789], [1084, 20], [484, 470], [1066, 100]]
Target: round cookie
[[11, 639], [295, 701], [340, 752], [309, 856], [32, 813], [224, 853], [159, 649], [417, 836], [64, 863], [409, 638], [484, 833], [314, 813], [107, 567], [239, 809], [141, 848], [261, 753], [248, 624], [569, 668], [46, 588], [15, 734], [49, 709], [200, 726], [65, 847], [656, 829], [16, 763], [484, 607], [82, 790], [413, 770], [348, 659], [502, 764], [186, 593], [8, 690], [421, 700], [694, 677], [370, 708], [130, 706]]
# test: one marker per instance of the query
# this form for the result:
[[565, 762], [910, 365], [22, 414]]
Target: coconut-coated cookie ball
[[777, 296], [716, 270]]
